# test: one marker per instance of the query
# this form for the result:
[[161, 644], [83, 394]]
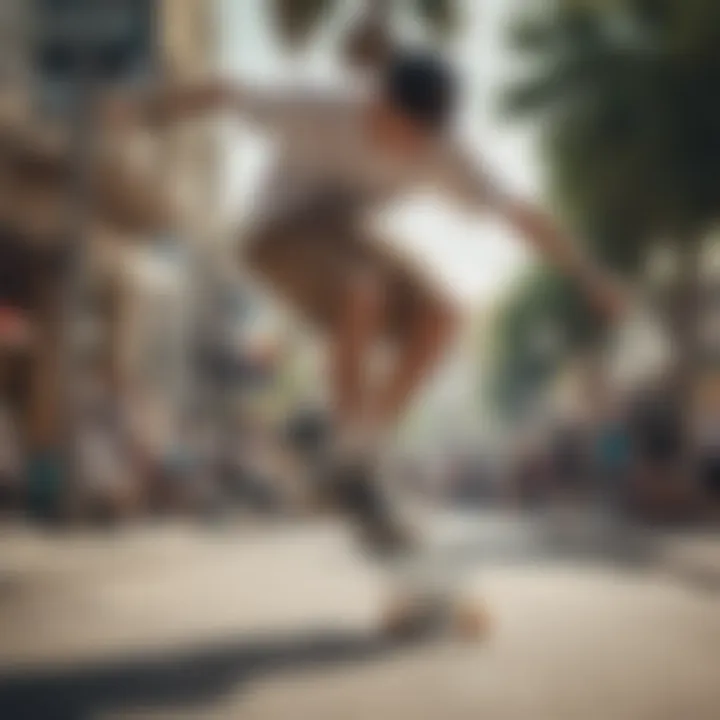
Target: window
[[72, 38]]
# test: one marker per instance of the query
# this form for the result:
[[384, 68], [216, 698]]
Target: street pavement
[[280, 620]]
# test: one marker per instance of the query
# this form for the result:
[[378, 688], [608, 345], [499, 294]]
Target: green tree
[[544, 320], [627, 94], [369, 40]]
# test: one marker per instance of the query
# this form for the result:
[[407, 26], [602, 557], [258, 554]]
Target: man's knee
[[438, 323], [448, 321], [365, 290]]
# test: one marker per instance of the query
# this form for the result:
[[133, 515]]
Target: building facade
[[164, 285], [149, 295]]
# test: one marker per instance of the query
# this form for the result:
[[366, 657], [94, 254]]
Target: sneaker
[[388, 539], [354, 488], [309, 434]]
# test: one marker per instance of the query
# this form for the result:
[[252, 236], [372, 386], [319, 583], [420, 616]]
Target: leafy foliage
[[628, 89], [295, 20], [627, 94], [441, 15], [544, 301]]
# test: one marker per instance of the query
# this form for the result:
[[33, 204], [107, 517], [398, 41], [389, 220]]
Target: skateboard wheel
[[471, 621], [409, 617], [400, 618]]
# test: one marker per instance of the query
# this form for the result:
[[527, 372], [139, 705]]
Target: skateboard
[[426, 598], [415, 616]]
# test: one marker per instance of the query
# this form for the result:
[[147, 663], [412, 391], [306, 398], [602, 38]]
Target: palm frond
[[442, 16], [531, 96], [369, 43], [533, 35], [295, 20]]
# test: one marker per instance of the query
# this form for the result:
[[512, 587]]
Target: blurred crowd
[[131, 459], [134, 458], [634, 458]]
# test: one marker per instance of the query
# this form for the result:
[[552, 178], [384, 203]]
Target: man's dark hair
[[422, 86]]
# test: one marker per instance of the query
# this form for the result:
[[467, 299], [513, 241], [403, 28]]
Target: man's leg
[[353, 340], [418, 349], [417, 354], [356, 292], [425, 597], [388, 298]]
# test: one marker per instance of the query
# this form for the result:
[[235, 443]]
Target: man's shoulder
[[318, 102]]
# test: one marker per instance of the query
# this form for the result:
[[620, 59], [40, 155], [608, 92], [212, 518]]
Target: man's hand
[[608, 296], [540, 230]]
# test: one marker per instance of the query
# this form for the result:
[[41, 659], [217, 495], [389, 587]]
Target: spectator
[[108, 481], [661, 491], [10, 462], [709, 457], [189, 465], [614, 457], [570, 460], [532, 476]]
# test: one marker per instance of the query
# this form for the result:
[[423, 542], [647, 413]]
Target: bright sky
[[478, 256]]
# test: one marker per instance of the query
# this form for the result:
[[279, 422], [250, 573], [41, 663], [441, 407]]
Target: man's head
[[415, 102]]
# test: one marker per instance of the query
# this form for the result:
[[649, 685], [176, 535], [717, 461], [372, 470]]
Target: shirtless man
[[339, 159]]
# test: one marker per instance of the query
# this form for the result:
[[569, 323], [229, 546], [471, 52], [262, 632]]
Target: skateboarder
[[340, 158]]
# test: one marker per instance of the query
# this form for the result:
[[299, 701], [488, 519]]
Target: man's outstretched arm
[[168, 105], [469, 184], [541, 231]]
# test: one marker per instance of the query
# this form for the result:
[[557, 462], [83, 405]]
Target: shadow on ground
[[181, 680]]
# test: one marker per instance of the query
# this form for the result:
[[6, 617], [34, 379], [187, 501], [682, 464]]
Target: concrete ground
[[282, 622]]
